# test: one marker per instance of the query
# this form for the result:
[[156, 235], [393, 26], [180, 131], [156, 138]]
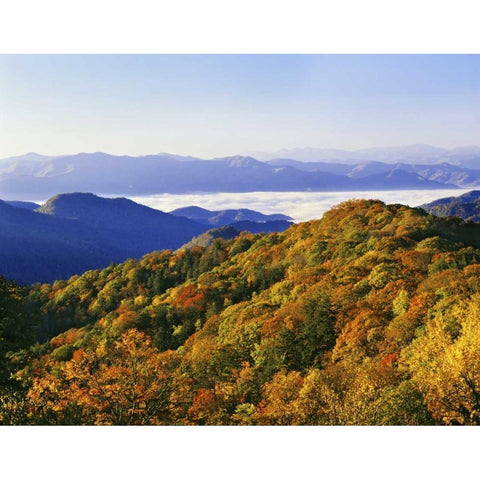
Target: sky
[[217, 105]]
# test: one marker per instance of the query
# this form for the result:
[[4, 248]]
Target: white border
[[240, 452], [223, 26], [246, 26]]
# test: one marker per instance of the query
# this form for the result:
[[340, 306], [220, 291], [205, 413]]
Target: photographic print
[[239, 240]]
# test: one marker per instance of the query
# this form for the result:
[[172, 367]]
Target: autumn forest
[[369, 316]]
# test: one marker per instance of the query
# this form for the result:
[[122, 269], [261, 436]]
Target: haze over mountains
[[75, 232], [34, 176]]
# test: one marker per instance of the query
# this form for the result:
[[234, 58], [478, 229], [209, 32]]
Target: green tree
[[15, 330]]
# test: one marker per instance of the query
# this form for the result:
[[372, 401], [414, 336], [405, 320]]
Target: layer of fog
[[301, 206]]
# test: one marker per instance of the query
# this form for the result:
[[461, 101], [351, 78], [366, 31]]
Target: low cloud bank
[[301, 206]]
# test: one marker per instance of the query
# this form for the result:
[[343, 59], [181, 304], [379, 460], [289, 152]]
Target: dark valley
[[72, 233]]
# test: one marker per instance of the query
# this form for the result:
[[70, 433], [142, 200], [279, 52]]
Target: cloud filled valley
[[301, 206]]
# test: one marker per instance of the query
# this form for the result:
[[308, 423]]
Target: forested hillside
[[466, 206], [370, 315]]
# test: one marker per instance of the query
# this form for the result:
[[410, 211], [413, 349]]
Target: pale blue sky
[[216, 105]]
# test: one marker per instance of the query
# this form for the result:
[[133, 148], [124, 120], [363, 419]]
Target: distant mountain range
[[467, 156], [416, 167], [75, 232], [449, 176], [466, 206]]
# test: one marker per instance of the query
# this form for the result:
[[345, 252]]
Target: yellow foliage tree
[[445, 364]]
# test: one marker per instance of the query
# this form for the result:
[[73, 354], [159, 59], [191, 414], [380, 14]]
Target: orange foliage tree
[[122, 383]]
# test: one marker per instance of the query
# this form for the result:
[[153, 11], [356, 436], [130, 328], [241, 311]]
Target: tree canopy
[[368, 316]]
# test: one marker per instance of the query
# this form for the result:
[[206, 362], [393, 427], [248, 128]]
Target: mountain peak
[[239, 161], [193, 212], [28, 157], [80, 204]]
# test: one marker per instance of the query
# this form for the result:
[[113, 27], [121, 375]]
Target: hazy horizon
[[246, 153]]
